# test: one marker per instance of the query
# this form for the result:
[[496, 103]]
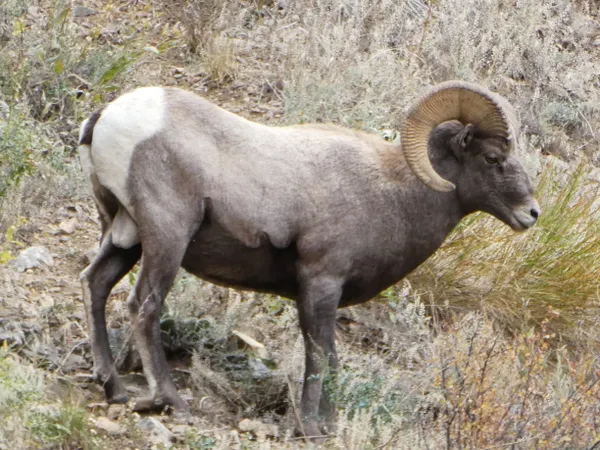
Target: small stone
[[258, 369], [83, 11], [109, 427], [155, 432], [259, 428], [68, 226], [116, 411], [32, 258], [594, 175]]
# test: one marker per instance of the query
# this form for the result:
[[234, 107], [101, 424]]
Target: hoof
[[114, 391], [159, 404], [311, 432], [120, 399], [147, 404]]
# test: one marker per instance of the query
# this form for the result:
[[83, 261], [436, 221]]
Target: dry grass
[[32, 417], [361, 63]]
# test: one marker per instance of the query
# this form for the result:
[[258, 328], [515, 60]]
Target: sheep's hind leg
[[165, 230], [156, 277], [97, 280]]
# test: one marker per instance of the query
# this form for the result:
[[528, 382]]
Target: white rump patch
[[87, 167], [127, 121]]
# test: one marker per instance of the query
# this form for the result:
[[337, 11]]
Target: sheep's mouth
[[522, 221]]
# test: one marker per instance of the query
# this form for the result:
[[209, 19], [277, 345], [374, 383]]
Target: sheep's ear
[[460, 142], [465, 136]]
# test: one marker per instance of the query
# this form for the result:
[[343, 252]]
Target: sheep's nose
[[535, 213]]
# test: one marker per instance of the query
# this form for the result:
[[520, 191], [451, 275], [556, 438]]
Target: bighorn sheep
[[323, 215]]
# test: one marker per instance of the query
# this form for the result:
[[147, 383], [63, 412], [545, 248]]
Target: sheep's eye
[[491, 160]]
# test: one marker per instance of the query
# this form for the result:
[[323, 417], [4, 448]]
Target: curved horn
[[452, 100]]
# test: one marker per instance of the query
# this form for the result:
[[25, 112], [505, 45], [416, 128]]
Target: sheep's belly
[[216, 256]]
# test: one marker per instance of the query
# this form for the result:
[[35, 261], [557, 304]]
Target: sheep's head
[[480, 129]]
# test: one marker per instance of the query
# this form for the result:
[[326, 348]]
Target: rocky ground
[[240, 389]]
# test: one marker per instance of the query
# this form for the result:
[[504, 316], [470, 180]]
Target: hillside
[[491, 343]]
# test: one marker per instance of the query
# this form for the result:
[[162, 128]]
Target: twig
[[83, 81], [520, 441], [394, 436], [425, 27], [320, 436], [596, 445]]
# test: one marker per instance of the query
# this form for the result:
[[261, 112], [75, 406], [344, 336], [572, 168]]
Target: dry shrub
[[199, 19], [487, 391], [219, 60], [203, 22]]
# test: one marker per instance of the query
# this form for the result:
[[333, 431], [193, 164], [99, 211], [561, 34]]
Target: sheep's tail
[[106, 203]]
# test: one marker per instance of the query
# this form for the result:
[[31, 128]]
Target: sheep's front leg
[[317, 308], [108, 267]]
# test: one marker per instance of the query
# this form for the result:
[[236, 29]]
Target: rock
[[109, 427], [68, 226], [155, 432], [13, 332], [135, 384], [45, 410], [74, 362], [258, 369], [11, 335], [83, 11], [594, 175], [32, 258], [116, 411], [258, 428], [60, 389]]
